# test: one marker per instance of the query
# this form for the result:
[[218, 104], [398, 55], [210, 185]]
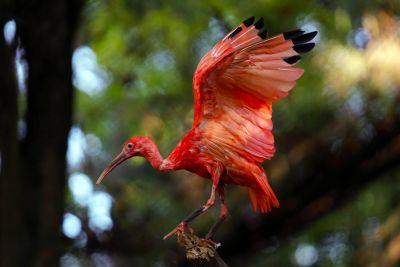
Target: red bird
[[234, 87]]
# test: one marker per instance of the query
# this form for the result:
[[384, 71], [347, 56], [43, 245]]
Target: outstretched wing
[[236, 83]]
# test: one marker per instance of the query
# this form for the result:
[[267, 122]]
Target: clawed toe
[[181, 228]]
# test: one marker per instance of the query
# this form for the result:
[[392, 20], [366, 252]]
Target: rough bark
[[199, 252]]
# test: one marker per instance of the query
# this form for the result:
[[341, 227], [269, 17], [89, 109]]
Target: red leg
[[181, 227], [223, 214], [216, 173]]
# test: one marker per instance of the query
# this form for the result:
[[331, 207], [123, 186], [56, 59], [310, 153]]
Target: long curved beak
[[116, 161]]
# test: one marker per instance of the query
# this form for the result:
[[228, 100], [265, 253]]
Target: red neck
[[151, 153]]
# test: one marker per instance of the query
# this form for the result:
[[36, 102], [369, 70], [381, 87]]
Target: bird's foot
[[181, 228]]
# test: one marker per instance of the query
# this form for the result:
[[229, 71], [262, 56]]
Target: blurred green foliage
[[150, 50]]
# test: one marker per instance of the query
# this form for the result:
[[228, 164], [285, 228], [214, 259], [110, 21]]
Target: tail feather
[[263, 202], [263, 199]]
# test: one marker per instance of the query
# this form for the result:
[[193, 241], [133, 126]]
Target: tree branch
[[199, 251]]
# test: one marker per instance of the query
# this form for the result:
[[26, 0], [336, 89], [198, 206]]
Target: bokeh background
[[77, 78]]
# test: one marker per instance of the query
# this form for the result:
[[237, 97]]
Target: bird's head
[[134, 146]]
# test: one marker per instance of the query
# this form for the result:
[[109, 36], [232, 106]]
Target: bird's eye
[[129, 145]]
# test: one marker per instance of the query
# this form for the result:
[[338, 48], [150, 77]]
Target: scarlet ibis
[[234, 87]]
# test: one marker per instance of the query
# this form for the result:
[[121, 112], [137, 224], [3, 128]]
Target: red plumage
[[234, 87]]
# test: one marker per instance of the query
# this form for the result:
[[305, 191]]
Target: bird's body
[[198, 154], [234, 87]]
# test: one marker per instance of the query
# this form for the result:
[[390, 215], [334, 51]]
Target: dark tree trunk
[[10, 195], [34, 175]]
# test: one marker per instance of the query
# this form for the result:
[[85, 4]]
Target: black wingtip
[[249, 21], [236, 31], [292, 34], [292, 60], [263, 34], [304, 38], [259, 24], [303, 48]]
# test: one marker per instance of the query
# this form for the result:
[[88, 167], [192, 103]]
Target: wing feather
[[235, 85]]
